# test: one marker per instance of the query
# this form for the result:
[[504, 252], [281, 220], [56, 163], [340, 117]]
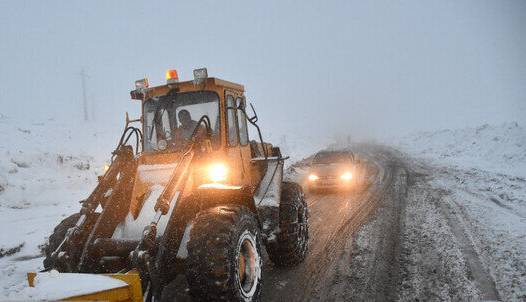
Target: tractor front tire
[[58, 235], [224, 255], [290, 246], [56, 238]]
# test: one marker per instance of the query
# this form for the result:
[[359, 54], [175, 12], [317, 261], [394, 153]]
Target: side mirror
[[254, 118]]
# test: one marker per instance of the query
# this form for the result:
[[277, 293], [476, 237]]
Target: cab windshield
[[170, 120], [332, 158]]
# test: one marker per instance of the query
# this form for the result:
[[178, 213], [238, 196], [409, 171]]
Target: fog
[[312, 68]]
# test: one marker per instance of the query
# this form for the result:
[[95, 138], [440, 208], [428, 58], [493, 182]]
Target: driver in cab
[[187, 128], [187, 125]]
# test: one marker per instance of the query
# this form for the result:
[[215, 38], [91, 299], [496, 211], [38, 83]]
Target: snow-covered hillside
[[49, 155], [46, 168], [500, 148]]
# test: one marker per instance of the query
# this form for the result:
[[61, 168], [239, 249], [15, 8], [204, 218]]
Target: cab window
[[170, 120], [231, 121], [242, 123]]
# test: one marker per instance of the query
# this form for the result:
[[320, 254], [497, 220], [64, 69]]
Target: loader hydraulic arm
[[179, 176], [174, 187], [175, 184], [123, 156], [141, 256]]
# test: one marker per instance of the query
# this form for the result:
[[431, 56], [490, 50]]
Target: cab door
[[244, 142], [234, 149]]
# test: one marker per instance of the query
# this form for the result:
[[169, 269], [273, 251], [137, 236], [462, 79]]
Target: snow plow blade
[[85, 287]]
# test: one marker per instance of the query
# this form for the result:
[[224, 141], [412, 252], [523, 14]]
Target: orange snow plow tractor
[[187, 193]]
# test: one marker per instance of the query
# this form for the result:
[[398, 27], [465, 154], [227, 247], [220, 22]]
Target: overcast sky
[[312, 68]]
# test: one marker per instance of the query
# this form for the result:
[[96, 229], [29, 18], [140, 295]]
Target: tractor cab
[[171, 112], [206, 110]]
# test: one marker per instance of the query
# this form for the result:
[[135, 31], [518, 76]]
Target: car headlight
[[217, 172], [313, 177], [346, 176]]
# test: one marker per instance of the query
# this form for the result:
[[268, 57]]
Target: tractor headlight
[[313, 177], [217, 172], [346, 176]]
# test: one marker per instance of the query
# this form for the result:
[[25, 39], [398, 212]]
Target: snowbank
[[500, 148]]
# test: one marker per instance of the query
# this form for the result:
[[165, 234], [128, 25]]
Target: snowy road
[[335, 218]]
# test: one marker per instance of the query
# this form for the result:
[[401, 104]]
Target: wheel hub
[[249, 271]]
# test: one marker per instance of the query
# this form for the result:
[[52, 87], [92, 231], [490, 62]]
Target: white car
[[332, 170]]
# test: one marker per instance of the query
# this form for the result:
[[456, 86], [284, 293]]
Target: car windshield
[[170, 120], [331, 157]]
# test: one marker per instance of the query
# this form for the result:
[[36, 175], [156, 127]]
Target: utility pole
[[83, 77], [92, 108]]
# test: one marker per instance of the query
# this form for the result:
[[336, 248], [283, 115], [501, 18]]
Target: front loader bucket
[[54, 286]]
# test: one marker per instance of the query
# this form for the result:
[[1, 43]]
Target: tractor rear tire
[[290, 246], [224, 255]]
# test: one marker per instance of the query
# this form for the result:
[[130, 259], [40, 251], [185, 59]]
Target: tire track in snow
[[479, 273]]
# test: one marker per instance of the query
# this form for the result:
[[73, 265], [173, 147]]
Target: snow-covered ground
[[480, 176], [46, 168], [494, 148]]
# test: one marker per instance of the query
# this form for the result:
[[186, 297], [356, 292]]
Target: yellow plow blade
[[118, 287]]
